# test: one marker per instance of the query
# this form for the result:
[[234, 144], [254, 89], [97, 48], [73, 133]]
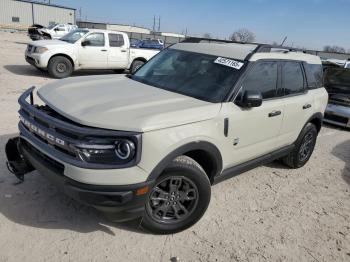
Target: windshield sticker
[[228, 62]]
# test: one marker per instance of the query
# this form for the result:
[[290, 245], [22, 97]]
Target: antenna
[[284, 40]]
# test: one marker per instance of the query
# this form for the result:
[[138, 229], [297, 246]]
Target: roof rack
[[266, 48]]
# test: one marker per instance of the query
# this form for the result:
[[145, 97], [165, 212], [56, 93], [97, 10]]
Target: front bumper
[[122, 202], [37, 60], [337, 115]]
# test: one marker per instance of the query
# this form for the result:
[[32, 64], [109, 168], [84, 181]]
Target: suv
[[151, 144]]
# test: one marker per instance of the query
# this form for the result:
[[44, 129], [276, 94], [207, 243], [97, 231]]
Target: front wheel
[[136, 64], [303, 147], [60, 67], [178, 199]]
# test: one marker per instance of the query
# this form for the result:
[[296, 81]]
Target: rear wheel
[[178, 199], [60, 67], [136, 64], [303, 148]]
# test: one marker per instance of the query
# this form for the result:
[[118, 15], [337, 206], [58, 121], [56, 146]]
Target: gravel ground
[[270, 213]]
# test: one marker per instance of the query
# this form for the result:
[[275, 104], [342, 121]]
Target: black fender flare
[[208, 147]]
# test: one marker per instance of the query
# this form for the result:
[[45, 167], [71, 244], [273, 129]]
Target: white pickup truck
[[86, 49]]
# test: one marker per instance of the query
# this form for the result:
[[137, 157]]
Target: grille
[[50, 161]]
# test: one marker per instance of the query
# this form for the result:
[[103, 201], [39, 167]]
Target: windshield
[[74, 36], [51, 26], [337, 80], [192, 74]]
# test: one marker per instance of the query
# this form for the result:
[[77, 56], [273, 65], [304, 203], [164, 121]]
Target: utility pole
[[154, 23], [159, 24]]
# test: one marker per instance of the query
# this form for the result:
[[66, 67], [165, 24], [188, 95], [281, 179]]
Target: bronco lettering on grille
[[41, 132]]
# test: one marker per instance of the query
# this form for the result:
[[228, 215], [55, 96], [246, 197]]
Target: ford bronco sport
[[151, 144]]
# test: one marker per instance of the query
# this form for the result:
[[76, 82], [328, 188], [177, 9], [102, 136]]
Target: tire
[[60, 67], [182, 186], [136, 64], [304, 147]]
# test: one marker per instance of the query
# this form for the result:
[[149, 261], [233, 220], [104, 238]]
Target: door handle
[[274, 113], [306, 106], [103, 50], [123, 50]]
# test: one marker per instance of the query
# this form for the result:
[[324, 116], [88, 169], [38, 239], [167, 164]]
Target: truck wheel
[[60, 67], [303, 147], [178, 199], [136, 64]]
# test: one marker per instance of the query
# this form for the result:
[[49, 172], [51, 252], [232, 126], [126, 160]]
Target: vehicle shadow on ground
[[37, 203], [342, 151], [25, 70], [29, 70]]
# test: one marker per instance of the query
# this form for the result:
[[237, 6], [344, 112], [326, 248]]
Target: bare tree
[[207, 35], [243, 35], [334, 49]]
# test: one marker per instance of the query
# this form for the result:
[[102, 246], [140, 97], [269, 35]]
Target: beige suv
[[151, 144]]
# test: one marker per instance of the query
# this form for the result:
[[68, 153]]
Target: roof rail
[[192, 39], [266, 48]]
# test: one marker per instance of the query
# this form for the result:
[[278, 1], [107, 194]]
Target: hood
[[119, 103], [48, 43]]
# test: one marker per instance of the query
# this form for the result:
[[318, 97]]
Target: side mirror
[[56, 29], [251, 99], [85, 43]]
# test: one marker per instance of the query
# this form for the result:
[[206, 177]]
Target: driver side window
[[262, 78], [95, 39]]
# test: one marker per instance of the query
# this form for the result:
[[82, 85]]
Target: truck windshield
[[197, 75], [74, 36]]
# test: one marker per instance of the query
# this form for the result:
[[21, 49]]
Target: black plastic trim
[[208, 147], [241, 168]]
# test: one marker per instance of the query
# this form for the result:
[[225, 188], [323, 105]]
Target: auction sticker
[[228, 62]]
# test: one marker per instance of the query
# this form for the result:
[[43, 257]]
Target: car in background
[[54, 31], [337, 83], [135, 43], [152, 44], [86, 49]]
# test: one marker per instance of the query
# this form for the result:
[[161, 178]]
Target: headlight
[[122, 151], [40, 50]]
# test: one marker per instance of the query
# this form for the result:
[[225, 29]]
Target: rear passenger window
[[314, 75], [262, 78], [116, 40], [292, 78]]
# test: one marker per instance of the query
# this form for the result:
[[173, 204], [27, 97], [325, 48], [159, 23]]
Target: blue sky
[[307, 23]]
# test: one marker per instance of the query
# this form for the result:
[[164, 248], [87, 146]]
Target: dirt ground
[[268, 214]]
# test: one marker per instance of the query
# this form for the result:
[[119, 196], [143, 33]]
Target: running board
[[241, 168]]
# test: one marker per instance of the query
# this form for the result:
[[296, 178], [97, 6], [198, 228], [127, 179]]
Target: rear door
[[93, 53], [118, 55], [297, 100], [253, 132]]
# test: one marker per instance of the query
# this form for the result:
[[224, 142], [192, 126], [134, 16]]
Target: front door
[[93, 52], [253, 132]]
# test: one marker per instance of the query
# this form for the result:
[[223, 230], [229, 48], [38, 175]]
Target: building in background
[[19, 14]]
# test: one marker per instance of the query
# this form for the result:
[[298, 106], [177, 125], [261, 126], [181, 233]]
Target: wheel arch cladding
[[64, 55], [204, 153], [316, 119]]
